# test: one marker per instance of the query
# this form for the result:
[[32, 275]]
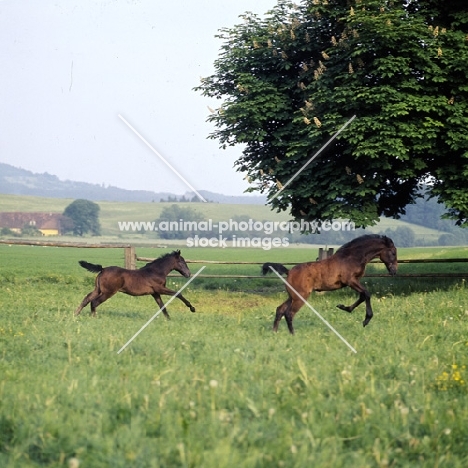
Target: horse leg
[[289, 309], [88, 298], [369, 313], [289, 320], [280, 311], [186, 302], [99, 300], [170, 292], [296, 304], [160, 303], [364, 296]]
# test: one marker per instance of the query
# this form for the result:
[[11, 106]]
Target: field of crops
[[218, 388]]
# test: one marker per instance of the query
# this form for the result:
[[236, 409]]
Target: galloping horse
[[344, 268], [148, 280]]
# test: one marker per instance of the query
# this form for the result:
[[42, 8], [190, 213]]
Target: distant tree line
[[403, 236], [182, 199], [82, 217]]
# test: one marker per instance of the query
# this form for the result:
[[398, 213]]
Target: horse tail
[[91, 266], [281, 269]]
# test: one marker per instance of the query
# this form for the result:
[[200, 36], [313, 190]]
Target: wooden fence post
[[130, 258], [320, 255], [323, 254]]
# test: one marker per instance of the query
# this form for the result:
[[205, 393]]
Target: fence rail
[[366, 275], [131, 259]]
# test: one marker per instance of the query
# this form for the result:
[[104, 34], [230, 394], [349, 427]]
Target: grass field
[[217, 388]]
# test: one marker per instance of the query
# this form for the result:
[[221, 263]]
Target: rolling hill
[[17, 181]]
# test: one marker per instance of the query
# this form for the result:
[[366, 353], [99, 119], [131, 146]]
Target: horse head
[[180, 264], [388, 255]]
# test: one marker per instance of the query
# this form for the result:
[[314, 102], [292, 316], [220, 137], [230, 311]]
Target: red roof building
[[49, 224]]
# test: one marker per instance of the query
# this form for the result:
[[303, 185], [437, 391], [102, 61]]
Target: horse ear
[[177, 253]]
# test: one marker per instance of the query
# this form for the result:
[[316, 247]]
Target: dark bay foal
[[148, 280]]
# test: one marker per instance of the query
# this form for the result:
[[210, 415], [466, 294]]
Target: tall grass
[[217, 388]]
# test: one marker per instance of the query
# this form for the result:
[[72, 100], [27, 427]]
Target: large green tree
[[292, 79], [85, 217]]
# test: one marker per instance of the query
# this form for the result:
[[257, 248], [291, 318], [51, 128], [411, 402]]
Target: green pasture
[[111, 213], [218, 388]]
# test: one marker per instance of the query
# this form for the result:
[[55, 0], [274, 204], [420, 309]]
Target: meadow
[[218, 388], [111, 213]]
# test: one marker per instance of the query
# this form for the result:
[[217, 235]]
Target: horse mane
[[355, 243], [162, 258]]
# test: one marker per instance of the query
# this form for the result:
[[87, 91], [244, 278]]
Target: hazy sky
[[69, 68]]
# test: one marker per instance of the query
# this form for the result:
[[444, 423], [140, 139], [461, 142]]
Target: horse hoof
[[192, 309]]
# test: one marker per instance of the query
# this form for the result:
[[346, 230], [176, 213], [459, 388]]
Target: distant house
[[49, 224]]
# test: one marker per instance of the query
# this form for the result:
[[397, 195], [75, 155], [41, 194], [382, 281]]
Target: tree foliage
[[291, 80], [85, 217], [173, 221]]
